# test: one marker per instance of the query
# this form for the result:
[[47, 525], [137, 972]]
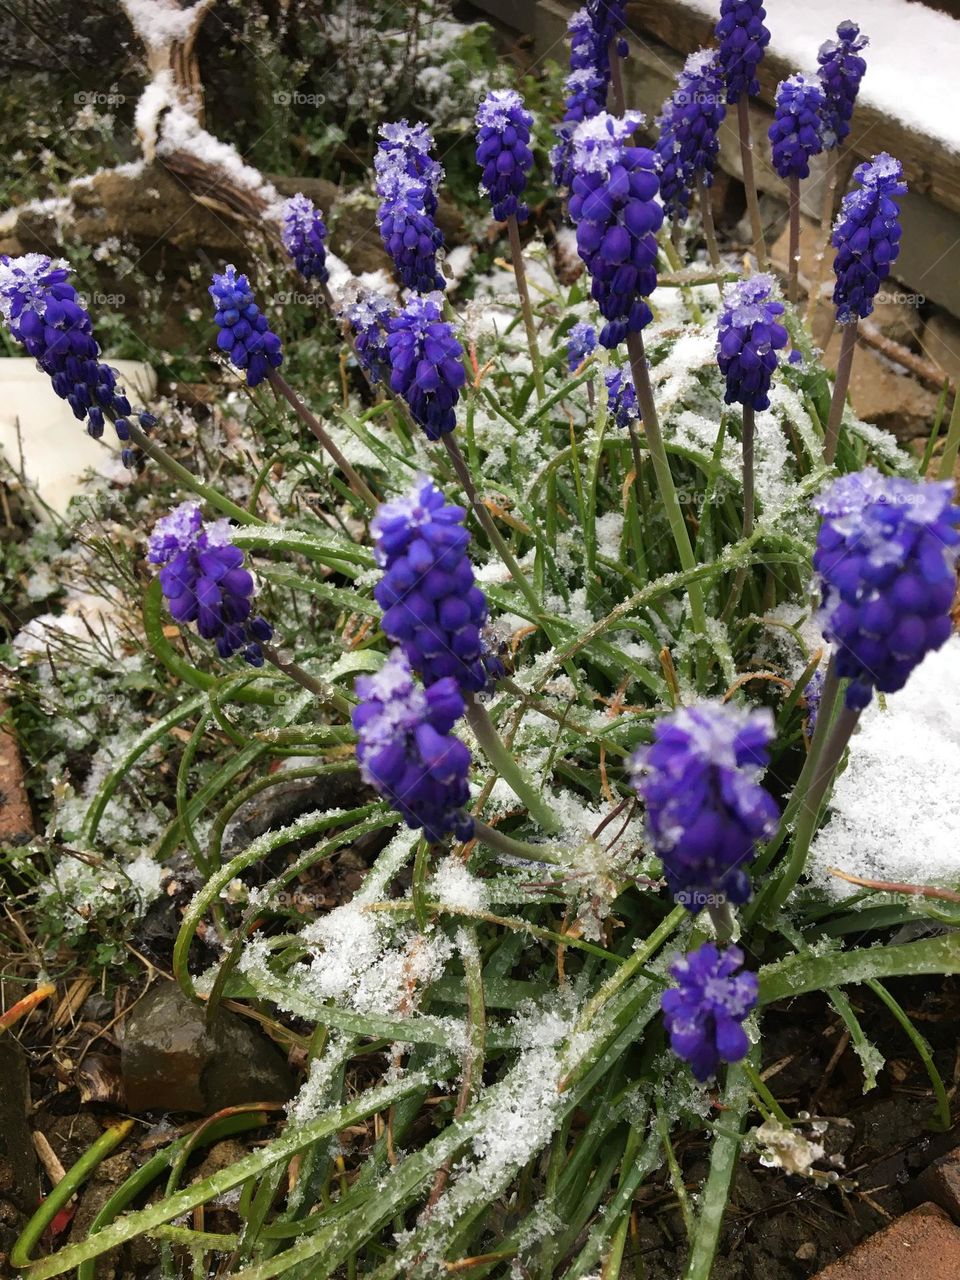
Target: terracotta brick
[[940, 1183], [922, 1245], [16, 821]]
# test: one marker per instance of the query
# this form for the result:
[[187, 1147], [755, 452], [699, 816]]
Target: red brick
[[940, 1182], [922, 1245], [16, 821]]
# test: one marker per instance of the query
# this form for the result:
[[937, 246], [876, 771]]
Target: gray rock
[[173, 1061], [18, 1160]]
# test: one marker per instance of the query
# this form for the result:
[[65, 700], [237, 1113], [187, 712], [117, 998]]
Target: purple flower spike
[[407, 752], [432, 605], [370, 317], [705, 1012], [503, 152], [245, 334], [427, 365], [581, 342], [585, 88], [867, 236], [304, 237], [749, 336], [407, 183], [742, 38], [841, 70], [622, 402], [687, 146], [886, 555], [705, 808], [609, 21], [797, 130], [204, 581], [44, 314], [617, 215]]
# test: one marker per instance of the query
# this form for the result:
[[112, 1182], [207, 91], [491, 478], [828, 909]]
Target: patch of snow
[[160, 23], [454, 885]]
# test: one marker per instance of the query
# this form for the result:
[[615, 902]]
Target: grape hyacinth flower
[[841, 70], [687, 145], [742, 38], [886, 557], [581, 342], [705, 808], [812, 696], [304, 237], [622, 402], [408, 179], [617, 216], [204, 581], [585, 90], [245, 334], [748, 338], [407, 752], [426, 362], [797, 130], [432, 606], [705, 1012], [44, 313], [370, 317], [503, 152], [609, 21]]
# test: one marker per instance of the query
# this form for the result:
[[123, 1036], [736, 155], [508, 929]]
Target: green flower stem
[[638, 958], [502, 760], [749, 493], [156, 453], [661, 467], [676, 266], [616, 78], [324, 692], [848, 344], [709, 229], [357, 484], [523, 849], [793, 275], [948, 459], [516, 253], [60, 1196], [750, 180]]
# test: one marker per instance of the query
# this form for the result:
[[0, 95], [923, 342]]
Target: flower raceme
[[742, 38], [797, 130], [204, 581], [304, 237], [609, 20], [432, 606], [407, 752], [585, 88], [245, 334], [503, 152], [622, 403], [614, 206], [841, 70], [704, 1013], [408, 179], [705, 808], [370, 316], [581, 342], [749, 335], [867, 236], [44, 314], [426, 363], [886, 556], [687, 145]]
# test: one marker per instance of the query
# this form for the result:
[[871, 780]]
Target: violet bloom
[[797, 130], [370, 317], [304, 237], [749, 335], [581, 342], [408, 180], [705, 808], [426, 363], [841, 70], [245, 334], [867, 236], [406, 749], [585, 90], [886, 555], [743, 38], [688, 144], [704, 1013], [622, 403], [503, 152]]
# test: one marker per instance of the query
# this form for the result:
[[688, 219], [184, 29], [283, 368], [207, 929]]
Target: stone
[[894, 401], [922, 1245], [16, 820], [940, 342], [940, 1184], [173, 1061]]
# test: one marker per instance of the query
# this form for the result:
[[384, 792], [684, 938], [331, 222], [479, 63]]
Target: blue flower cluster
[[503, 152], [204, 581], [45, 315], [797, 130], [370, 317], [585, 88], [304, 237], [841, 70], [609, 20], [866, 236], [705, 808], [426, 362], [622, 403], [749, 335], [687, 145], [407, 752], [704, 1015], [742, 37], [408, 179], [581, 342], [886, 555], [617, 216], [245, 334], [431, 604]]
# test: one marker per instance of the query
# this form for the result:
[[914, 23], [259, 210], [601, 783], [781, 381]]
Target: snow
[[160, 23], [453, 885], [181, 131], [895, 815], [904, 78]]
